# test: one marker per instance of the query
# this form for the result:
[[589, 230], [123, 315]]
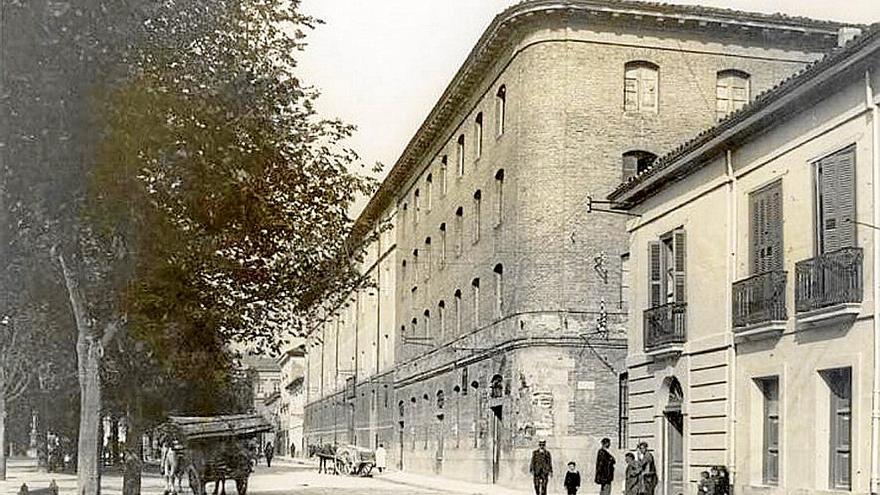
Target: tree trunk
[[114, 440], [2, 434], [134, 452], [88, 479], [42, 436]]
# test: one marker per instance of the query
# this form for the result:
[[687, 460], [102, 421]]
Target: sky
[[383, 64]]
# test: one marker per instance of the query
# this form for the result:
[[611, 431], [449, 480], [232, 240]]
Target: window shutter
[[655, 273], [836, 177], [766, 229], [678, 251]]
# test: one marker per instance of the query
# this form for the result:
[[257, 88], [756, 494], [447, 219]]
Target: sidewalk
[[447, 484]]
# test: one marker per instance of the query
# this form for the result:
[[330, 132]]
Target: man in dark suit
[[648, 469], [541, 467], [604, 468]]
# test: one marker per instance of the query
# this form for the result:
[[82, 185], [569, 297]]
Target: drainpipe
[[732, 219], [875, 186]]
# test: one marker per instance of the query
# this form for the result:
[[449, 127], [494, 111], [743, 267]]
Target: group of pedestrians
[[641, 471]]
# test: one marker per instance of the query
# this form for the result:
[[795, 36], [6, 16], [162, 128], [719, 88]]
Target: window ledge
[[832, 315], [758, 331], [667, 350]]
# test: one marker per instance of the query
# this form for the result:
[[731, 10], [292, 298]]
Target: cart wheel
[[241, 486], [368, 468]]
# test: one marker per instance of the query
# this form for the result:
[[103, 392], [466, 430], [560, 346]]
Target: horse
[[172, 469]]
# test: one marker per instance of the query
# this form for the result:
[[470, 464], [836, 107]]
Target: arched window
[[461, 155], [499, 196], [442, 262], [475, 292], [417, 206], [478, 135], [636, 162], [415, 327], [441, 400], [444, 162], [500, 109], [499, 289], [459, 230], [401, 409], [475, 226], [732, 92], [641, 87], [457, 308], [427, 315], [428, 260], [429, 189], [403, 270], [441, 320], [415, 263]]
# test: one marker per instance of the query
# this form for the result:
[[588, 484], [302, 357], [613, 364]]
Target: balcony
[[664, 328], [829, 287], [759, 306]]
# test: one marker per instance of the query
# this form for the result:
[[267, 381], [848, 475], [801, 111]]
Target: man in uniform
[[541, 467]]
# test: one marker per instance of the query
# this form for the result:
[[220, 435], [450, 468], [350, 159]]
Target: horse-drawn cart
[[211, 448], [346, 459]]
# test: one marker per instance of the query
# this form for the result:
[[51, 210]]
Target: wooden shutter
[[654, 273], [771, 430], [835, 175], [840, 382], [766, 229], [679, 260]]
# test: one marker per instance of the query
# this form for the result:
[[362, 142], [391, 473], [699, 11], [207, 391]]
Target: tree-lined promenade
[[167, 191]]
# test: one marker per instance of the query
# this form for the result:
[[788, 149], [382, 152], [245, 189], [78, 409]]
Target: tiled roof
[[825, 66]]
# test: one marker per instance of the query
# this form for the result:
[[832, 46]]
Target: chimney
[[847, 33]]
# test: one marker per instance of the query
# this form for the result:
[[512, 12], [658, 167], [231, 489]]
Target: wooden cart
[[217, 448]]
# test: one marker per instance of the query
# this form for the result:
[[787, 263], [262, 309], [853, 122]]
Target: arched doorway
[[496, 394], [674, 436]]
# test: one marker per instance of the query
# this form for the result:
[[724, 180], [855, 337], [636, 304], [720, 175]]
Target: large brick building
[[508, 300]]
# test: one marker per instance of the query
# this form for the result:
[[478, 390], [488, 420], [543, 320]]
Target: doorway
[[674, 433], [497, 428]]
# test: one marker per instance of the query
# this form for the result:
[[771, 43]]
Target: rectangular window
[[731, 92], [836, 201], [499, 291], [667, 262], [840, 442], [623, 418], [640, 87], [770, 459], [417, 206], [624, 283], [765, 207]]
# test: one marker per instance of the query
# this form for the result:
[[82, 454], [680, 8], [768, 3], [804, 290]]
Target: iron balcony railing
[[829, 279], [759, 299], [664, 326]]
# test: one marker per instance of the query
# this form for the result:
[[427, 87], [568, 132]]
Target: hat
[[542, 442]]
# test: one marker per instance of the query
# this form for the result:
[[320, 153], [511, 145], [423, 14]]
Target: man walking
[[269, 451], [604, 467], [541, 467], [647, 469]]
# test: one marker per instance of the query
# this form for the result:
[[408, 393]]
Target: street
[[284, 477]]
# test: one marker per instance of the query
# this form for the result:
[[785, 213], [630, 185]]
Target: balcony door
[[835, 201], [765, 208]]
